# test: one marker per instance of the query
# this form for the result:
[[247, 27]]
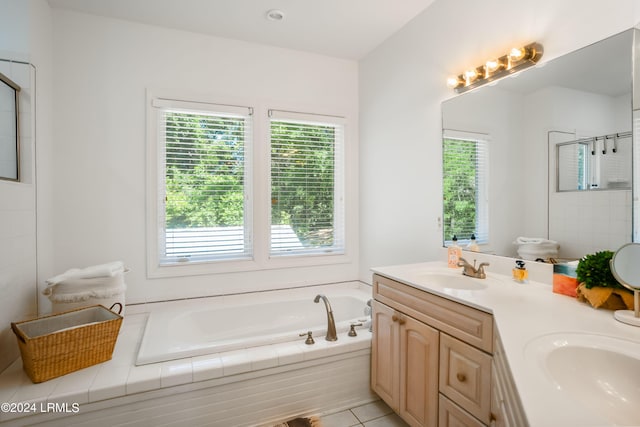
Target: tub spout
[[331, 324]]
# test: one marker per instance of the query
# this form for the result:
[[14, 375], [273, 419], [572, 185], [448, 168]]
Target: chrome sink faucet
[[331, 324], [471, 271]]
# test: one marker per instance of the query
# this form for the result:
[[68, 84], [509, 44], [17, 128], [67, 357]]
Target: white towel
[[95, 271], [534, 240]]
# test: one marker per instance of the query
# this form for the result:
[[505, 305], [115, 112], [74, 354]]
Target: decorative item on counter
[[597, 285], [454, 252], [55, 345], [473, 245], [565, 279], [520, 273]]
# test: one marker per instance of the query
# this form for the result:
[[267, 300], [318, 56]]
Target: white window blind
[[307, 200], [204, 197], [465, 185]]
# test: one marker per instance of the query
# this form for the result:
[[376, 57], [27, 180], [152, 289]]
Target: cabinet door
[[418, 372], [385, 359]]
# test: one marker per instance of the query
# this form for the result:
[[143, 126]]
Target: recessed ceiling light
[[275, 15]]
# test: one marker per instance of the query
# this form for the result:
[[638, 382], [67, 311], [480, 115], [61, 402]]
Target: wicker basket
[[55, 345]]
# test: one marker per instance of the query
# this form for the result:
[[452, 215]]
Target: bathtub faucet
[[331, 324]]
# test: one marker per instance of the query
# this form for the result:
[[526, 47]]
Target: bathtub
[[178, 329]]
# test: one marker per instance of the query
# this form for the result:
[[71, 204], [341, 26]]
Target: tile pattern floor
[[376, 414]]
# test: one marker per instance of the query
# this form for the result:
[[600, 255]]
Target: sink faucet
[[331, 324], [471, 271]]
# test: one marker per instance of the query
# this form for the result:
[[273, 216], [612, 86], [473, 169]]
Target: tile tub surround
[[118, 383], [522, 313]]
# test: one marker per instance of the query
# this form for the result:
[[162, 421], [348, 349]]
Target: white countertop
[[522, 313]]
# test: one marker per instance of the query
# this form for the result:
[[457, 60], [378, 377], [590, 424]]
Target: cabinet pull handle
[[493, 420], [398, 318], [461, 377]]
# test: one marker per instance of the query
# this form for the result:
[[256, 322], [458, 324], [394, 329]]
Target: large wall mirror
[[555, 156], [9, 130]]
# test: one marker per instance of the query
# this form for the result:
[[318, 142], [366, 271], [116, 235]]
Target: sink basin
[[453, 281], [600, 373]]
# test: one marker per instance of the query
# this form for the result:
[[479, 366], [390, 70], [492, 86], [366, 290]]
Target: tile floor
[[376, 414]]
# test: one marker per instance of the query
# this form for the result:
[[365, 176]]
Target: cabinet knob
[[398, 318], [461, 377]]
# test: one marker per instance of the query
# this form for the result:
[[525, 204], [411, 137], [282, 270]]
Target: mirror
[[9, 137], [541, 126], [626, 270]]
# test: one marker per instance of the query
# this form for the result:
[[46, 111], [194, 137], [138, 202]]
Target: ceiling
[[342, 28]]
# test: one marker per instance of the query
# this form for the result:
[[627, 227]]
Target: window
[[307, 212], [223, 198], [205, 207], [465, 169]]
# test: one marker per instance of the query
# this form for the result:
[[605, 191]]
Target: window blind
[[307, 200], [204, 195], [465, 186]]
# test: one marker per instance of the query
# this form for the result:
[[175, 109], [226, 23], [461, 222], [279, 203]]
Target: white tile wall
[[17, 224]]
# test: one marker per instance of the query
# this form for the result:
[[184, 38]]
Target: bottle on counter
[[473, 245], [520, 273], [454, 253]]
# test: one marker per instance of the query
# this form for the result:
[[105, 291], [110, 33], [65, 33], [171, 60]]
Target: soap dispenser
[[473, 245], [520, 273], [454, 253]]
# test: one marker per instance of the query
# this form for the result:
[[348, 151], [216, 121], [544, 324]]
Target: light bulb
[[517, 54], [492, 65], [453, 82]]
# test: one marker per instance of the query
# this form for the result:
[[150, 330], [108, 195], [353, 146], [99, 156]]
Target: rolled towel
[[533, 240], [95, 271]]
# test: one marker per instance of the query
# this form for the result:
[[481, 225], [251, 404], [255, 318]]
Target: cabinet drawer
[[465, 377], [450, 415], [468, 324]]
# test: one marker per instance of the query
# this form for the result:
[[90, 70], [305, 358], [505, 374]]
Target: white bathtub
[[177, 330]]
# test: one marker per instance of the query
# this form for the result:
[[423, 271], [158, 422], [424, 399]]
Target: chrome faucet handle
[[309, 339]]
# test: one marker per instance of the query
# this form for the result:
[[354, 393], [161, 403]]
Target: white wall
[[24, 36], [103, 68], [402, 84]]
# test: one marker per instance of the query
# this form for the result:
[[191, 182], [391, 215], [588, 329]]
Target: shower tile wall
[[605, 215], [17, 224]]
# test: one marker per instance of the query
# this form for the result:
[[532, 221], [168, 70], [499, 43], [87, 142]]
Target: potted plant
[[597, 286]]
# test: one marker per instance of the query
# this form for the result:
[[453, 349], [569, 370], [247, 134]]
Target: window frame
[[338, 180], [259, 172]]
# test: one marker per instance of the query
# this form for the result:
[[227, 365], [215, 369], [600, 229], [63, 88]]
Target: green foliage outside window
[[204, 171], [459, 188], [205, 175], [302, 180]]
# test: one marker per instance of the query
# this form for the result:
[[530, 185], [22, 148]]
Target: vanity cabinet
[[404, 365], [432, 360]]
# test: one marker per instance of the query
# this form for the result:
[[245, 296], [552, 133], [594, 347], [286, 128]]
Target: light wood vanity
[[437, 362]]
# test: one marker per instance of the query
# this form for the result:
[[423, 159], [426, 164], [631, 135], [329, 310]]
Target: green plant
[[594, 270]]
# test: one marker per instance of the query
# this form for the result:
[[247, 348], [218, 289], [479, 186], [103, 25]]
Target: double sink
[[597, 372]]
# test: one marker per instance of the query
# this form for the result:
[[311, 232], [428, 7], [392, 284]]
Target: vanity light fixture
[[517, 59]]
